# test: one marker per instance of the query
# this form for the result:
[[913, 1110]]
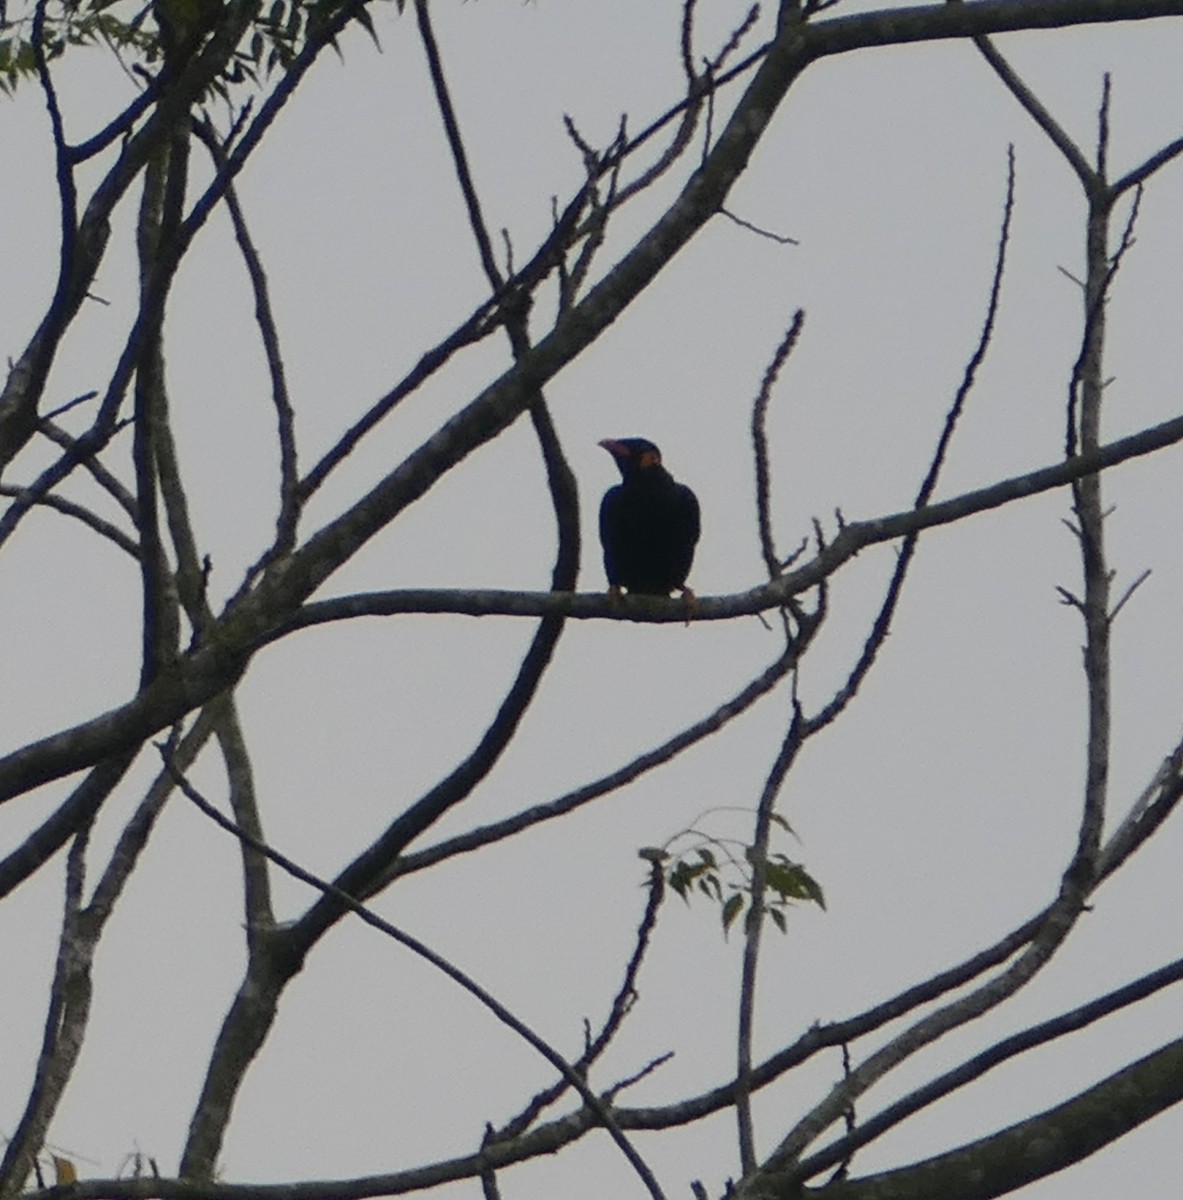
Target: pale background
[[937, 815]]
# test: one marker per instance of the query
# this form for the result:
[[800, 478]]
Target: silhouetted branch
[[621, 1007], [65, 1023], [447, 113], [289, 497], [345, 901], [484, 835], [1145, 816], [1002, 1051], [79, 512], [1040, 115], [1030, 1150], [108, 482], [760, 443]]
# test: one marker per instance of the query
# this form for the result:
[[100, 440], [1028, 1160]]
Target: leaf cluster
[[71, 24], [139, 35], [726, 875]]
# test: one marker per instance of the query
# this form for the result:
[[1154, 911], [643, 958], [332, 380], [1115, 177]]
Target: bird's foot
[[615, 595], [689, 602]]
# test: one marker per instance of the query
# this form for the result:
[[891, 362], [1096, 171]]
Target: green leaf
[[731, 910], [679, 880], [791, 881]]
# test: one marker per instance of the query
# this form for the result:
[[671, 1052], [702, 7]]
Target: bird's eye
[[650, 458]]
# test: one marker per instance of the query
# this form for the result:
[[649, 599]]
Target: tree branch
[[1031, 1149]]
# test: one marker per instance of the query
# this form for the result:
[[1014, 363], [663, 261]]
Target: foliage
[[724, 872], [133, 33]]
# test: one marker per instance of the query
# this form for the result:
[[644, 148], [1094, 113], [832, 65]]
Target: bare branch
[[621, 1006], [1146, 814], [209, 669], [1037, 1147], [760, 443], [1040, 115], [73, 815], [122, 496], [1002, 1051], [485, 835], [687, 44], [1128, 593], [882, 624], [786, 756], [447, 112], [466, 982], [65, 1025], [80, 513], [289, 497], [781, 239], [1140, 174], [259, 916], [1088, 506]]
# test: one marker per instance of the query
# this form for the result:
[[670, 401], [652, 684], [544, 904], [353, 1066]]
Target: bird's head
[[634, 456]]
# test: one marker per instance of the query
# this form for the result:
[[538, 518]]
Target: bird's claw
[[690, 602]]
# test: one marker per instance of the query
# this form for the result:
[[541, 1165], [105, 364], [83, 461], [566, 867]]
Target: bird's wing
[[691, 517], [610, 515]]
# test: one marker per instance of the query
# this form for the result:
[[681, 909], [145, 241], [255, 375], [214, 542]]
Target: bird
[[649, 524]]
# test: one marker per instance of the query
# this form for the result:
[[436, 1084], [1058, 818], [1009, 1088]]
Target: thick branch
[[1032, 1149], [213, 667]]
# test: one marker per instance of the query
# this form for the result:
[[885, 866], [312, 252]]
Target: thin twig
[[1072, 153], [619, 1010], [687, 44], [842, 1097], [1140, 174], [485, 835], [780, 238], [79, 512], [122, 496], [447, 112], [882, 625], [760, 443], [1128, 593], [67, 190], [289, 497], [62, 409]]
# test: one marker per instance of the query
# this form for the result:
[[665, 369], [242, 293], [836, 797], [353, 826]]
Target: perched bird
[[649, 523]]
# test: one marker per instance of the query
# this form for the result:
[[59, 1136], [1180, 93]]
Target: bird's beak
[[618, 450]]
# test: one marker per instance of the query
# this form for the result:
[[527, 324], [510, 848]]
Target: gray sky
[[937, 815]]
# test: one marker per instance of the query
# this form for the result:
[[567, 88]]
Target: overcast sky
[[937, 815]]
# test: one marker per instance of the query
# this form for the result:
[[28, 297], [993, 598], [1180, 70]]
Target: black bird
[[649, 523]]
